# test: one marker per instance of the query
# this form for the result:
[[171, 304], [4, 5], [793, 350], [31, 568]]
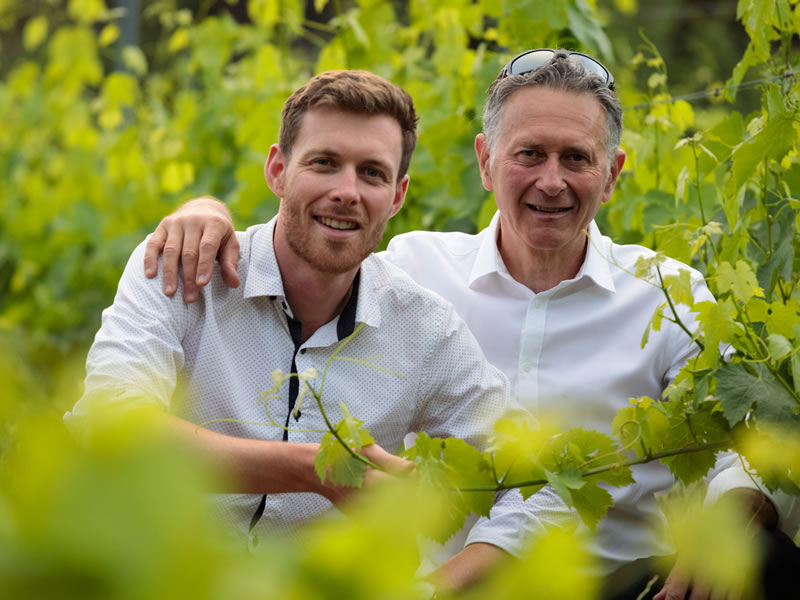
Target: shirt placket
[[527, 384]]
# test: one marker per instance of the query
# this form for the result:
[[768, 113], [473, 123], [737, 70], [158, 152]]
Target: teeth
[[548, 209], [333, 223]]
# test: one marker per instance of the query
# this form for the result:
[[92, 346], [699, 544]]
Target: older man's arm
[[464, 395], [194, 237]]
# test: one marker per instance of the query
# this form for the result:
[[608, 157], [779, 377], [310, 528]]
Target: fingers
[[193, 233], [153, 249], [394, 465], [192, 238], [699, 591], [229, 259], [675, 587], [218, 239], [171, 255]]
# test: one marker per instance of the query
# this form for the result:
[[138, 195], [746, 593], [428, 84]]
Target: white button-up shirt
[[431, 375], [572, 353]]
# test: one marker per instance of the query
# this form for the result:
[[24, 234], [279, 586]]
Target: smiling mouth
[[336, 224], [549, 209]]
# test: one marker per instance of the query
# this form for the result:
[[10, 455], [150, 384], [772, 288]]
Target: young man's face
[[338, 188]]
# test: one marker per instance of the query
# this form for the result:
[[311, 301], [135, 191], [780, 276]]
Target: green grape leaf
[[704, 426], [738, 390], [470, 470], [680, 287], [717, 321], [426, 454], [516, 445], [654, 324], [774, 452], [773, 141], [641, 427], [445, 466], [560, 487], [571, 478], [781, 319], [586, 28], [692, 466], [335, 463], [352, 431], [592, 503], [741, 280], [585, 450], [779, 347]]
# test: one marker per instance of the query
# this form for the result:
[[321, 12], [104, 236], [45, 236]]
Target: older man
[[551, 301], [309, 282]]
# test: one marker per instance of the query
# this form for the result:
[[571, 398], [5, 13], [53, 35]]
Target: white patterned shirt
[[432, 375]]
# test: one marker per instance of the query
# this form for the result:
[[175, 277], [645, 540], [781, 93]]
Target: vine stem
[[318, 398], [606, 468], [677, 320], [332, 429], [697, 185]]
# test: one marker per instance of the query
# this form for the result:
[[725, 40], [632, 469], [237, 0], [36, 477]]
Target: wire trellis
[[715, 92]]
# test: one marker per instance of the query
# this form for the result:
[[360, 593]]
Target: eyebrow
[[572, 149], [374, 162]]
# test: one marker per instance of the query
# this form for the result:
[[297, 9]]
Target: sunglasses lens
[[592, 66], [530, 61]]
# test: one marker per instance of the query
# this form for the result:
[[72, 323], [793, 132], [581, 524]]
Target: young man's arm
[[272, 467], [134, 363]]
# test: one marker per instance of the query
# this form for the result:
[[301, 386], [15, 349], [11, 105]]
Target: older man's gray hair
[[558, 74]]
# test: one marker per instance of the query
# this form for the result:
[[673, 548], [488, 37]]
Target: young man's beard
[[325, 254]]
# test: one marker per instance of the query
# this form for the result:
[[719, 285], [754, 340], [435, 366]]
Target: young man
[[309, 280]]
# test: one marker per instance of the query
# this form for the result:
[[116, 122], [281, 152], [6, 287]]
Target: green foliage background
[[101, 138]]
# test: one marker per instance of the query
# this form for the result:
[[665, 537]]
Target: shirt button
[[302, 350], [538, 302], [527, 367]]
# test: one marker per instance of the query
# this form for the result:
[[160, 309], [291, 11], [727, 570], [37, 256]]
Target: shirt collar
[[263, 275], [264, 279], [596, 265], [488, 260]]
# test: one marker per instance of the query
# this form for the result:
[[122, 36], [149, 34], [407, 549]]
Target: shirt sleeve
[[735, 476], [728, 472], [461, 394], [514, 522], [465, 395], [137, 352]]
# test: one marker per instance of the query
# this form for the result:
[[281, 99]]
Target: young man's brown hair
[[353, 91]]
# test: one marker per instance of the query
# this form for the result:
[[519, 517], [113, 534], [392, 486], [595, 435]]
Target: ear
[[399, 195], [484, 155], [274, 169], [613, 174]]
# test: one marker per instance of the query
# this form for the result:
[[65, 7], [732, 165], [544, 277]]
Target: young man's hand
[[394, 466], [195, 235]]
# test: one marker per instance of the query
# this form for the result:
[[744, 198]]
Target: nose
[[346, 187], [551, 180]]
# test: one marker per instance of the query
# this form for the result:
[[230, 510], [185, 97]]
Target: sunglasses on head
[[533, 59]]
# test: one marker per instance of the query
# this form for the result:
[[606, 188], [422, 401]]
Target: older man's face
[[549, 171]]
